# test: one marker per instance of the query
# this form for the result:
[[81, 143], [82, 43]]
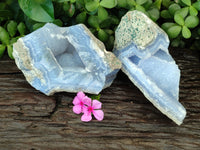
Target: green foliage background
[[179, 18]]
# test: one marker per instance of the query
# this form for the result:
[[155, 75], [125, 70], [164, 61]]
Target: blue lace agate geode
[[142, 48], [70, 59]]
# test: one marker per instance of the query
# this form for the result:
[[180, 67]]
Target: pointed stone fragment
[[142, 48], [70, 59]]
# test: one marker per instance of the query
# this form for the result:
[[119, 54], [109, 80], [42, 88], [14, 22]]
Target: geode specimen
[[142, 48], [55, 59]]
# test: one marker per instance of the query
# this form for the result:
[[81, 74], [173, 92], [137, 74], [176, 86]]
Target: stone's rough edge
[[26, 62], [107, 56], [140, 41]]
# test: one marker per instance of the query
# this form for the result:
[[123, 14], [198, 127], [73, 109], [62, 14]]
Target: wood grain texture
[[29, 120]]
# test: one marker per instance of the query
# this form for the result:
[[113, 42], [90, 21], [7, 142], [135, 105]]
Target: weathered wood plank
[[8, 66], [31, 120]]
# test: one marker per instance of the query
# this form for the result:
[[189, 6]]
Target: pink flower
[[92, 108], [79, 102]]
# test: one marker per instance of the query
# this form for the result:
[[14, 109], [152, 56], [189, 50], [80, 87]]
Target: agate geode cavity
[[70, 59], [142, 48]]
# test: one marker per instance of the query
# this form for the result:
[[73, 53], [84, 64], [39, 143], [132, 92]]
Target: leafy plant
[[38, 10], [183, 19], [179, 18]]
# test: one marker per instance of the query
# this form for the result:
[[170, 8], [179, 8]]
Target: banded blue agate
[[70, 59], [142, 48]]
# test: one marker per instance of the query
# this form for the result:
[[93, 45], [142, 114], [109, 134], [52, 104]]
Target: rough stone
[[70, 59], [142, 48]]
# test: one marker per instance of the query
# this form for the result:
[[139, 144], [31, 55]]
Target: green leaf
[[13, 40], [37, 26], [122, 3], [183, 12], [158, 3], [193, 11], [58, 22], [179, 19], [177, 43], [131, 3], [93, 12], [114, 20], [66, 6], [191, 21], [141, 2], [40, 1], [108, 3], [86, 1], [186, 32], [10, 50], [4, 36], [12, 28], [165, 14], [166, 3], [72, 1], [102, 13], [92, 5], [2, 49], [97, 97], [93, 30], [93, 21], [186, 2], [71, 10], [60, 1], [29, 23], [39, 12], [79, 6], [110, 43], [148, 5], [110, 32], [80, 2], [21, 28], [174, 31], [140, 8], [173, 8], [196, 5], [81, 18], [102, 35], [106, 23], [167, 25], [154, 14]]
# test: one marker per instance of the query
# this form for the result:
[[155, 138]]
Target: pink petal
[[86, 117], [77, 109], [76, 101], [96, 104], [98, 114], [85, 109], [80, 95], [87, 101]]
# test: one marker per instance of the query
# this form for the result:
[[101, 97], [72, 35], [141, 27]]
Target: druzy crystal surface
[[142, 48], [55, 59]]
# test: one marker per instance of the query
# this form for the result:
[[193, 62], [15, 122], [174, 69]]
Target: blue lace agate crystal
[[142, 48], [70, 59]]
